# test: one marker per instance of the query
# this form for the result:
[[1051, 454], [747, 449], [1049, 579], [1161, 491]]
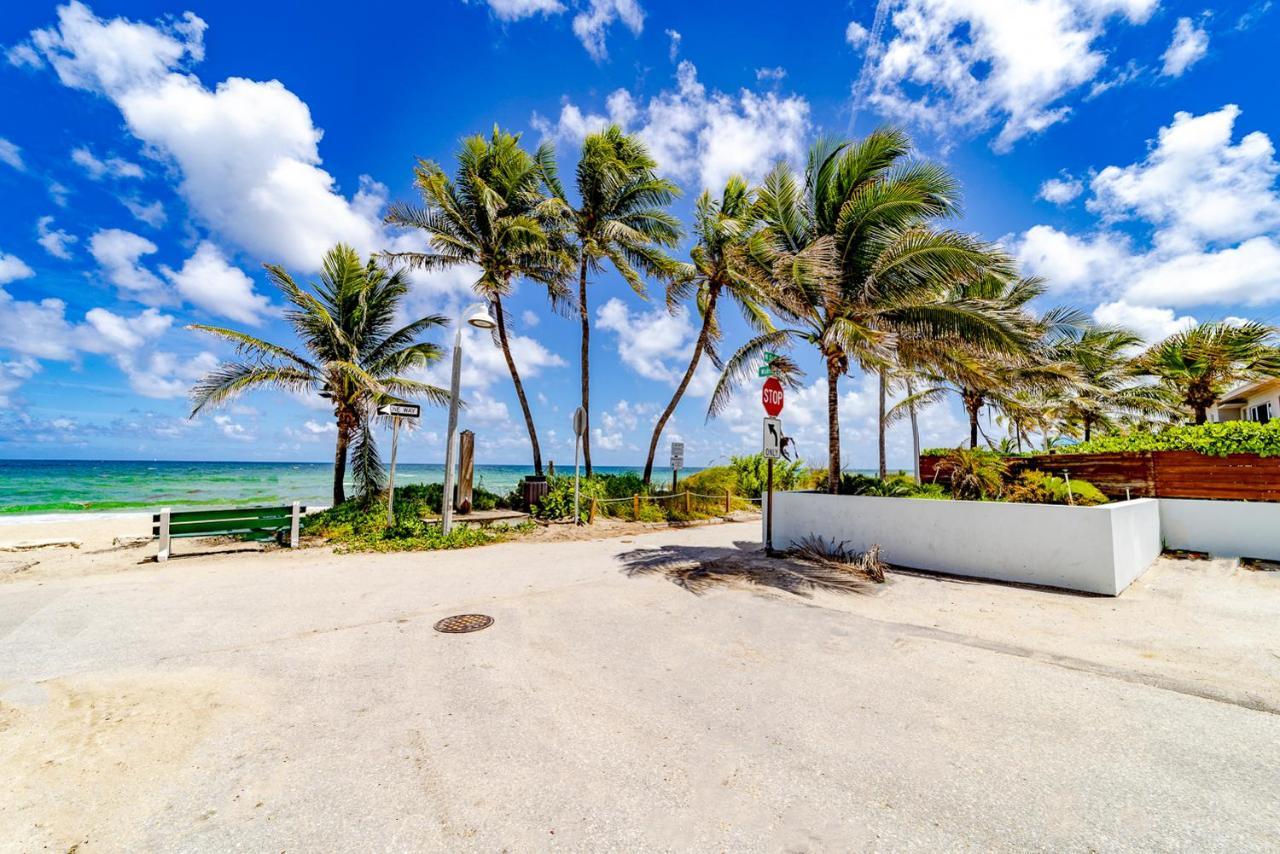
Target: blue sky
[[154, 154]]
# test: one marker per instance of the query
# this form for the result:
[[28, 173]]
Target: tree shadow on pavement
[[699, 569]]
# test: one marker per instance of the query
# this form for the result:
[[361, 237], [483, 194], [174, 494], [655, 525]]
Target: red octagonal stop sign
[[771, 397]]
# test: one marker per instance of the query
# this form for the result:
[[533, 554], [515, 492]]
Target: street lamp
[[476, 315]]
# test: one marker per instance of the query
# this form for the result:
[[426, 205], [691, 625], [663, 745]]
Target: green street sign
[[769, 357], [766, 371]]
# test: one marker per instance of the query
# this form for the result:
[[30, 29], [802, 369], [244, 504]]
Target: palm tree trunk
[[833, 426], [1202, 414], [340, 459], [703, 334], [884, 382], [973, 407], [915, 431], [515, 378], [1088, 425], [586, 362]]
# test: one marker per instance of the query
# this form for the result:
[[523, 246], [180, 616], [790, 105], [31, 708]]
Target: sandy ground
[[661, 690]]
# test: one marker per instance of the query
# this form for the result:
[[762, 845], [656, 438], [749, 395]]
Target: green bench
[[253, 523]]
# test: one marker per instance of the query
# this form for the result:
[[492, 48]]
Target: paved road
[[303, 702]]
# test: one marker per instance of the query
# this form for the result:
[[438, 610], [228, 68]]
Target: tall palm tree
[[353, 356], [1203, 362], [621, 218], [492, 216], [721, 267], [853, 260]]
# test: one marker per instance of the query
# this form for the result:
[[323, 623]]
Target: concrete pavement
[[302, 701]]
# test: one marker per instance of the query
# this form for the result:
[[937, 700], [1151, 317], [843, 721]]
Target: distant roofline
[[1245, 390]]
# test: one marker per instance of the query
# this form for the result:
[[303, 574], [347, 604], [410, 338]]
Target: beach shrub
[[1037, 487], [1214, 439], [893, 486], [558, 503], [972, 475], [752, 474], [361, 526]]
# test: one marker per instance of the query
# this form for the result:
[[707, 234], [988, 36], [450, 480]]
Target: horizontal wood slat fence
[[1156, 474]]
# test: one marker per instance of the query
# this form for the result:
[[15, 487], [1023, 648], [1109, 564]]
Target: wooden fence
[[1157, 474]]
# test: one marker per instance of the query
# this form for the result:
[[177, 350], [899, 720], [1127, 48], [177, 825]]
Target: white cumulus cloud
[[55, 241], [966, 65], [699, 135], [209, 281], [1190, 44]]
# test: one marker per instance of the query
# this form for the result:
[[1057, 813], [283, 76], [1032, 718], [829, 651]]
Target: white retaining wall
[[1228, 528], [1092, 549]]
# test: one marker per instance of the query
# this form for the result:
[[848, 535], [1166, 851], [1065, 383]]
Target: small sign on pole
[[764, 371], [579, 427], [396, 411], [400, 410], [772, 438], [677, 463]]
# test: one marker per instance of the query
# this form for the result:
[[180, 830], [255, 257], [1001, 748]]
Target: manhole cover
[[464, 623]]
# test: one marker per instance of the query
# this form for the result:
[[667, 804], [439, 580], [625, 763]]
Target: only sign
[[771, 397]]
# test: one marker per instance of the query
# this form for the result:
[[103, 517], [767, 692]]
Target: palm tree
[[355, 357], [1201, 363], [493, 216], [621, 218], [1025, 366], [1107, 391], [721, 267], [853, 261]]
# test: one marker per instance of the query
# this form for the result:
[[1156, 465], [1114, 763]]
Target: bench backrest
[[212, 523]]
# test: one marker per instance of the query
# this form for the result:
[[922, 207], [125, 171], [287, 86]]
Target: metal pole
[[577, 446], [446, 500], [768, 519], [675, 479], [391, 480]]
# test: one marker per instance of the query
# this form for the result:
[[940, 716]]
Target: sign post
[[579, 427], [677, 463], [771, 397], [396, 411]]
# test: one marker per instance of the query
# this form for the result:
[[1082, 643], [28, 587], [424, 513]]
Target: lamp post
[[476, 315]]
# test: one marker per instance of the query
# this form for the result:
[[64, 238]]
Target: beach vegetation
[[361, 526], [354, 356], [1037, 487]]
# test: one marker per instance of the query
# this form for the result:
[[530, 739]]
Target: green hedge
[[1214, 440]]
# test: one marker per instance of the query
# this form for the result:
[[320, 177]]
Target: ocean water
[[76, 486]]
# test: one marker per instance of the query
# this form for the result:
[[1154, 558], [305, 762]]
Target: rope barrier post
[[726, 499], [686, 502], [635, 508], [591, 514]]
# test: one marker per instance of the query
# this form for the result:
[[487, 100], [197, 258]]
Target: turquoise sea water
[[72, 486]]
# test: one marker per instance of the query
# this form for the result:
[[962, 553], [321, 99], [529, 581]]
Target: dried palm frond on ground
[[837, 555], [698, 570]]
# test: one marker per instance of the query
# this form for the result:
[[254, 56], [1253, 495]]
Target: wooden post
[[466, 470], [686, 502], [293, 526], [591, 514], [635, 508], [164, 535], [727, 495], [768, 519]]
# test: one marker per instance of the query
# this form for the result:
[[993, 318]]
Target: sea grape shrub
[[1037, 487], [1213, 439]]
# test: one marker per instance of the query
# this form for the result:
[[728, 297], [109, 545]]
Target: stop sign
[[771, 397]]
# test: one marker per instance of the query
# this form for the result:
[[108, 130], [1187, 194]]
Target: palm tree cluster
[[854, 256]]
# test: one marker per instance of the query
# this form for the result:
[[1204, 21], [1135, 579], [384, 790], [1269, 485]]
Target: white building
[[1256, 401]]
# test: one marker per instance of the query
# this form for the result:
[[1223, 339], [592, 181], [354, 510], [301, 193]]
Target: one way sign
[[772, 438]]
